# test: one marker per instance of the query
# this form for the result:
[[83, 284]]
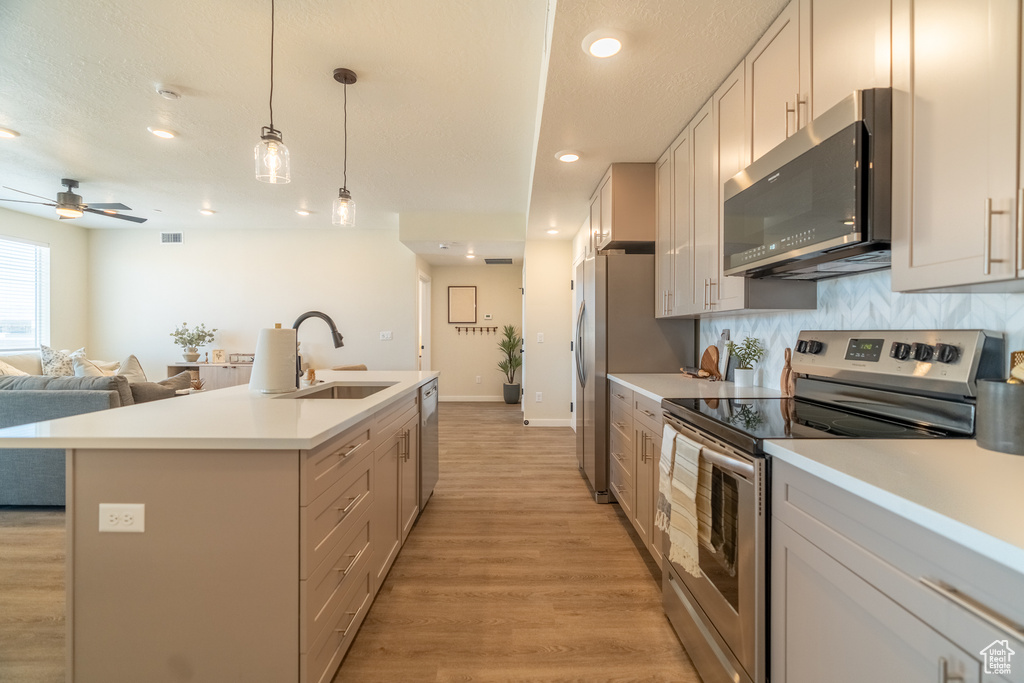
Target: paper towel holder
[[335, 336]]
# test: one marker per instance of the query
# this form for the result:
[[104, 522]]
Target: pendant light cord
[[344, 162], [271, 64]]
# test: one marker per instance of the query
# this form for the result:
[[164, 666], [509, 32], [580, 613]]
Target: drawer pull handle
[[344, 632], [346, 570], [983, 612], [348, 508], [620, 397], [350, 450], [647, 412]]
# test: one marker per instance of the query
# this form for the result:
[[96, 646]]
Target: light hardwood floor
[[512, 573]]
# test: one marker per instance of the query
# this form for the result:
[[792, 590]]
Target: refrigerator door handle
[[580, 371]]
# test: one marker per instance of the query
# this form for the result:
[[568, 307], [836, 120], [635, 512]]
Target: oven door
[[729, 590]]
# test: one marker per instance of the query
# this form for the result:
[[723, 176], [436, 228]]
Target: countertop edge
[[970, 537]]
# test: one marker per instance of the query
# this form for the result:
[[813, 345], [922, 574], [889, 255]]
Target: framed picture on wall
[[218, 356], [462, 304]]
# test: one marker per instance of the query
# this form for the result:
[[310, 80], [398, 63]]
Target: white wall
[[460, 358], [866, 302], [547, 310], [69, 268], [240, 281]]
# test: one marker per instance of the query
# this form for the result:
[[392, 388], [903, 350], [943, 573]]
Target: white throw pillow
[[8, 369], [132, 369], [92, 368], [58, 363]]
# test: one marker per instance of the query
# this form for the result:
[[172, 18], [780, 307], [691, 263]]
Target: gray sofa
[[31, 476]]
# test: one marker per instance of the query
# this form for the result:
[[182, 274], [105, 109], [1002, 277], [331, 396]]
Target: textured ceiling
[[444, 116]]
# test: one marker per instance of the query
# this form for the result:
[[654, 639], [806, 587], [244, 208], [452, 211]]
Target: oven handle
[[724, 461]]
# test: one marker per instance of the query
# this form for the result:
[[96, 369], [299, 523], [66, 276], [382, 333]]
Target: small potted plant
[[191, 340], [512, 359], [746, 353]]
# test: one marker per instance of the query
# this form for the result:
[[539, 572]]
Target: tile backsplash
[[865, 302]]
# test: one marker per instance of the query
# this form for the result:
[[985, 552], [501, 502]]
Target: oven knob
[[801, 346], [900, 350], [814, 347], [946, 353], [921, 352]]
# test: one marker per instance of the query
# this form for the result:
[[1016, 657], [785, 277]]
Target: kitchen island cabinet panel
[[408, 488], [955, 144]]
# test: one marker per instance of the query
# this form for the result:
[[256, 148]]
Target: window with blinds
[[24, 295]]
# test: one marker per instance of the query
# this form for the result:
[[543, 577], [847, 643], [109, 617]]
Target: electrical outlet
[[385, 335], [540, 337], [478, 379], [123, 517], [540, 397]]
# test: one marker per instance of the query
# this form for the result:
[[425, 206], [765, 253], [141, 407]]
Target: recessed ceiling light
[[552, 232], [603, 43], [470, 255], [207, 212], [8, 133], [167, 93], [161, 132], [302, 212], [567, 156]]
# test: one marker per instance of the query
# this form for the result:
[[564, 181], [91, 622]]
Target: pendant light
[[344, 210], [272, 162]]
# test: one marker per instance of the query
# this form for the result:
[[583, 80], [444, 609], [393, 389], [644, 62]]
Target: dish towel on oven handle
[[684, 483], [663, 506]]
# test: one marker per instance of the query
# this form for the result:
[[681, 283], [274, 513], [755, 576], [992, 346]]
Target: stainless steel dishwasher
[[428, 441]]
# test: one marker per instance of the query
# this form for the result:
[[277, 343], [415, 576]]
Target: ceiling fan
[[70, 205]]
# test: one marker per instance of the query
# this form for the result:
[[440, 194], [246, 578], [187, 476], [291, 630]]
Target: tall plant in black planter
[[511, 345]]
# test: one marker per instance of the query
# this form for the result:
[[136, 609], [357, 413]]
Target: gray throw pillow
[[144, 392]]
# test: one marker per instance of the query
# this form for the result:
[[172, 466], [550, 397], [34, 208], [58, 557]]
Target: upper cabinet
[[625, 207], [778, 79], [664, 266], [956, 141]]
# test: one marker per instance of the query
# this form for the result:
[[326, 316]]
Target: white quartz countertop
[[231, 418], [657, 386], [953, 487]]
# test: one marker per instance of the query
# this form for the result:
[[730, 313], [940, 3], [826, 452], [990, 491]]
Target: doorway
[[423, 331]]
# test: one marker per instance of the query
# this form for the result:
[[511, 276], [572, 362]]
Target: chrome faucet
[[335, 335]]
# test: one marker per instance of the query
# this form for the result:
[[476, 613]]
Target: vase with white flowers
[[191, 339]]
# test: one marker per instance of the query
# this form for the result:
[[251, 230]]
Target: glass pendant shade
[[272, 161], [344, 210]]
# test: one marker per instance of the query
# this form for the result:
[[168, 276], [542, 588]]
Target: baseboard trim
[[471, 399], [547, 423]]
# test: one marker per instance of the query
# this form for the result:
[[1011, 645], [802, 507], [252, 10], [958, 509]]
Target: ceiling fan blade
[[28, 193], [115, 205], [133, 219], [25, 201]]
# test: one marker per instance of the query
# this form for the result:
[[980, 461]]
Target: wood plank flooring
[[512, 573]]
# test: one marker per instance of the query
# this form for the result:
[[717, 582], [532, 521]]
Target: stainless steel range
[[851, 384]]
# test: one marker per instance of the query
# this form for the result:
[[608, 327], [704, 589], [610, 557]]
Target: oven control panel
[[945, 361]]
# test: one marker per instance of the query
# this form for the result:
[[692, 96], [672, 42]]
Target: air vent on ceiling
[[498, 261], [170, 238]]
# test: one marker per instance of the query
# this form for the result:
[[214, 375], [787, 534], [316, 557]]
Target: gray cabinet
[[859, 593], [622, 208], [215, 375]]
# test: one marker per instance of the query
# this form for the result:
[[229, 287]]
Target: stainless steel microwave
[[819, 205]]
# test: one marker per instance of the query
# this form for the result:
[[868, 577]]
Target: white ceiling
[[444, 116]]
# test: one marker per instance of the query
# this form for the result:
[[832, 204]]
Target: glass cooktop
[[788, 418]]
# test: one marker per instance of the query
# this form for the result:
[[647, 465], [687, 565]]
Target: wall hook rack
[[474, 329]]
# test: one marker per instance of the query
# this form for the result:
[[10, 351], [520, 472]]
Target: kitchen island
[[268, 524]]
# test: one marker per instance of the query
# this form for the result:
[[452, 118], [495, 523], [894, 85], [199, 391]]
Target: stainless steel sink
[[348, 390]]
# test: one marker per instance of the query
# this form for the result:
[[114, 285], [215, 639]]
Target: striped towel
[[683, 524], [663, 508]]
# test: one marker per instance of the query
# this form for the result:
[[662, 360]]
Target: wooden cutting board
[[787, 383], [709, 362]]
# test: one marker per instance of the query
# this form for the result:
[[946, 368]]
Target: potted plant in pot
[[746, 353], [191, 339], [512, 359]]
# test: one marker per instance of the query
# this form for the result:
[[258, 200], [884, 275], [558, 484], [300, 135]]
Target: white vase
[[191, 354], [743, 377]]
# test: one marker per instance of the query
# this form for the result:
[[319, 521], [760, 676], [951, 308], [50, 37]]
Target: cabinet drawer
[[332, 579], [648, 411], [620, 395], [620, 448], [622, 487], [320, 662], [391, 419], [331, 516], [620, 419], [324, 465]]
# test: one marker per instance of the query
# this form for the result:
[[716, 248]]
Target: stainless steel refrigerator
[[616, 332]]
